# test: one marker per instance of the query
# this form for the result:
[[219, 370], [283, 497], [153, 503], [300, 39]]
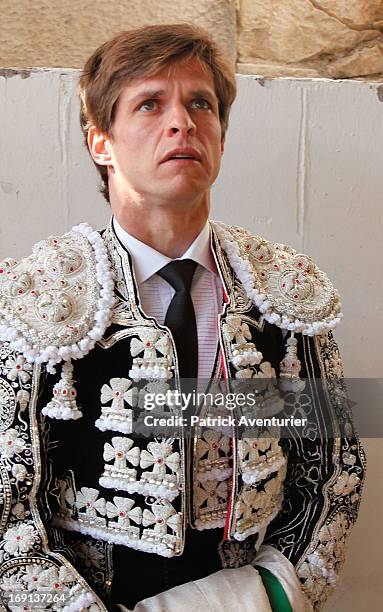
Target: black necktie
[[180, 316]]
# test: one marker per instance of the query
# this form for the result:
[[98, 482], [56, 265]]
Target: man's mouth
[[187, 153], [181, 157]]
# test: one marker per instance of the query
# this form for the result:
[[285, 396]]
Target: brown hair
[[145, 52]]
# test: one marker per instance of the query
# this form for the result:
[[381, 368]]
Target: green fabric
[[276, 594]]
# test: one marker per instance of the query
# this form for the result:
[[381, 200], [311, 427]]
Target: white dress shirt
[[155, 293]]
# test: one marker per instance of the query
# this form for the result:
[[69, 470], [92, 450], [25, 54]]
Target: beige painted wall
[[302, 165]]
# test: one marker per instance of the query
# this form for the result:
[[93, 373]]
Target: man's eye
[[148, 105], [201, 103]]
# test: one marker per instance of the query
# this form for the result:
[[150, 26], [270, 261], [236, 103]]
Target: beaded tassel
[[157, 368], [290, 367], [246, 355], [63, 403]]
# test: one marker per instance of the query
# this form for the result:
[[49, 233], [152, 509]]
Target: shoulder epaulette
[[286, 286], [56, 303]]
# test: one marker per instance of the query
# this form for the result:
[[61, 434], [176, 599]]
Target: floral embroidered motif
[[121, 451], [150, 366], [255, 508], [319, 572], [162, 481], [117, 393], [264, 370], [52, 578], [119, 475], [235, 329], [18, 369], [20, 539], [314, 582], [15, 450], [346, 484], [34, 576], [88, 498], [122, 509], [65, 496], [19, 471], [54, 306], [116, 417], [160, 455], [44, 577], [210, 500], [261, 250], [243, 353], [6, 265], [163, 517], [122, 310], [213, 456], [11, 444], [242, 301], [112, 521], [259, 455], [15, 385]]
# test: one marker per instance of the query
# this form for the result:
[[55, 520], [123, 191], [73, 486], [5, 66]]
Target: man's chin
[[182, 189]]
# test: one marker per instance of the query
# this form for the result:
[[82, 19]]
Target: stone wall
[[310, 38], [301, 38], [63, 33]]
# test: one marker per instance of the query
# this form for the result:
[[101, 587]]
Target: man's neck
[[168, 230]]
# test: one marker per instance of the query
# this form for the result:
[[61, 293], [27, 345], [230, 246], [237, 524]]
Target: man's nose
[[180, 121]]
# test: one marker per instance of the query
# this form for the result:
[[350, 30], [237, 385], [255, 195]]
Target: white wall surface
[[303, 165]]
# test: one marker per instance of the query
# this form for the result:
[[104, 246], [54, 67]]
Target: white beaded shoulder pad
[[286, 286], [56, 303]]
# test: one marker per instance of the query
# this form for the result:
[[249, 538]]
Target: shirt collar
[[147, 261]]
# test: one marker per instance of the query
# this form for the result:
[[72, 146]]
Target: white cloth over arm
[[273, 560], [225, 591]]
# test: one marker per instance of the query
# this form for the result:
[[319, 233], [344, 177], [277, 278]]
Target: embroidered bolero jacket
[[78, 355]]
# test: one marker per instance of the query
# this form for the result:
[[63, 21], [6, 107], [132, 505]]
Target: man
[[93, 517]]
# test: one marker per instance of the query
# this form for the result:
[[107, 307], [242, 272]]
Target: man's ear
[[99, 147]]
